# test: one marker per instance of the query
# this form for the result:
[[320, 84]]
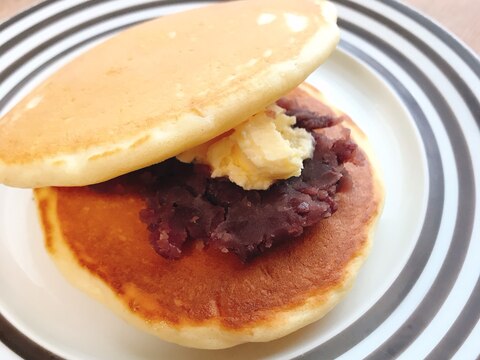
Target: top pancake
[[161, 88]]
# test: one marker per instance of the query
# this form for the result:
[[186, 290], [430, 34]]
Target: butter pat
[[261, 150]]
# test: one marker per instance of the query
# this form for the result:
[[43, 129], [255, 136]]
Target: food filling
[[184, 202], [263, 149]]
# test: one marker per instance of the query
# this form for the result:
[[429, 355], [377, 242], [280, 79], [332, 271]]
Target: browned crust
[[105, 233]]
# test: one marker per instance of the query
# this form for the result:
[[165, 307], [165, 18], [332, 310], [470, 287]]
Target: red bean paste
[[182, 201]]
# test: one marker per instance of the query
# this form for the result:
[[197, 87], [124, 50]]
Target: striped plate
[[412, 87]]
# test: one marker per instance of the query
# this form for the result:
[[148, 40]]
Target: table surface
[[459, 16]]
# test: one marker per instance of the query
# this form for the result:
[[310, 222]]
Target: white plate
[[416, 294]]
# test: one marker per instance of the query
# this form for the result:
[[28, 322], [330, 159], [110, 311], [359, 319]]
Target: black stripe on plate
[[402, 285], [466, 208], [21, 344]]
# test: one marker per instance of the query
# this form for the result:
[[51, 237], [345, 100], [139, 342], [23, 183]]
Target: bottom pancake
[[209, 299]]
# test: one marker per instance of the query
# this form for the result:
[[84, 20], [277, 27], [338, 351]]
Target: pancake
[[208, 299], [160, 88]]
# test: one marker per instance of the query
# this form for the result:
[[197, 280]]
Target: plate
[[411, 87]]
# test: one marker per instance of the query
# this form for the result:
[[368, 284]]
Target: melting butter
[[263, 149]]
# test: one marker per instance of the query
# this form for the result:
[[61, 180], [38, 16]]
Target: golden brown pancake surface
[[107, 237]]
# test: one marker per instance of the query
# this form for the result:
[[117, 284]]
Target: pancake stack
[[149, 94]]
